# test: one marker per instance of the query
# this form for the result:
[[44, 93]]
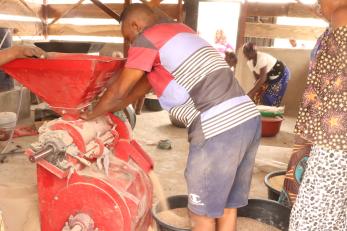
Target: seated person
[[271, 76]]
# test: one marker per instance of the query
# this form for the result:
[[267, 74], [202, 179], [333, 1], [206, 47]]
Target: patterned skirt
[[322, 200], [272, 92]]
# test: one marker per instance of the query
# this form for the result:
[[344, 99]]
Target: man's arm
[[116, 93], [15, 52], [140, 90], [259, 83]]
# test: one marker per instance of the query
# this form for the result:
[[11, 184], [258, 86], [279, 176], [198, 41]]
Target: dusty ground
[[273, 154], [18, 198]]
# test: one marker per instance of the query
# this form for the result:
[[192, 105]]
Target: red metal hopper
[[68, 83]]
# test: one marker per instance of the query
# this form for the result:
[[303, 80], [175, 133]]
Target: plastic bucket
[[265, 211], [179, 201], [272, 193], [268, 212], [8, 122], [152, 104], [270, 126]]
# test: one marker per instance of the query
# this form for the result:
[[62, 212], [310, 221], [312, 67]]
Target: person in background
[[16, 52], [271, 76], [224, 125], [231, 59], [220, 42], [293, 43]]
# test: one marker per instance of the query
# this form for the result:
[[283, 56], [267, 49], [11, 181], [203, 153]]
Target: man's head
[[329, 7], [134, 19], [249, 51]]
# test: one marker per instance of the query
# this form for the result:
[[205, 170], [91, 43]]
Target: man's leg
[[202, 223], [238, 196], [210, 172], [228, 221], [139, 105]]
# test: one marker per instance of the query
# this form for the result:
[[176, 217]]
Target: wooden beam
[[23, 28], [92, 11], [180, 11], [191, 9], [107, 10], [152, 3], [74, 6], [16, 7], [126, 43], [88, 30], [281, 9], [242, 26], [44, 15], [265, 30], [26, 5]]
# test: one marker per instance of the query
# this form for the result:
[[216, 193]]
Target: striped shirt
[[191, 79]]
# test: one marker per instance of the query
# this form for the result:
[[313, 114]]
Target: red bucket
[[270, 126]]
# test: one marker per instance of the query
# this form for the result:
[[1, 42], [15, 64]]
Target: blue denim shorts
[[219, 170]]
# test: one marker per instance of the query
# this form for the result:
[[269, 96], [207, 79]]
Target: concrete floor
[[18, 198]]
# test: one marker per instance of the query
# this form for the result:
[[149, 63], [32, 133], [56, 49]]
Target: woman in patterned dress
[[271, 76], [321, 131]]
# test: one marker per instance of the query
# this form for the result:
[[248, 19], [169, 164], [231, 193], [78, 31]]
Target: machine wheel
[[131, 116], [176, 123]]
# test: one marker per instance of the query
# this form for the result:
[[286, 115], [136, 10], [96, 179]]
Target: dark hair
[[248, 47], [135, 8], [230, 54]]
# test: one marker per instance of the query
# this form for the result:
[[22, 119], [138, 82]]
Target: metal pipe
[[41, 154]]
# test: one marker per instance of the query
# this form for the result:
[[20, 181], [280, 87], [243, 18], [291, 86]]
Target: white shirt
[[263, 60]]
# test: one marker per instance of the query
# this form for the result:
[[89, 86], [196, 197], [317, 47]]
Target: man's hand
[[120, 93], [28, 51], [15, 52]]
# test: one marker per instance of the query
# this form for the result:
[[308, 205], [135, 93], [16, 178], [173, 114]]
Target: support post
[[107, 10], [191, 8], [126, 42], [44, 20], [242, 26]]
